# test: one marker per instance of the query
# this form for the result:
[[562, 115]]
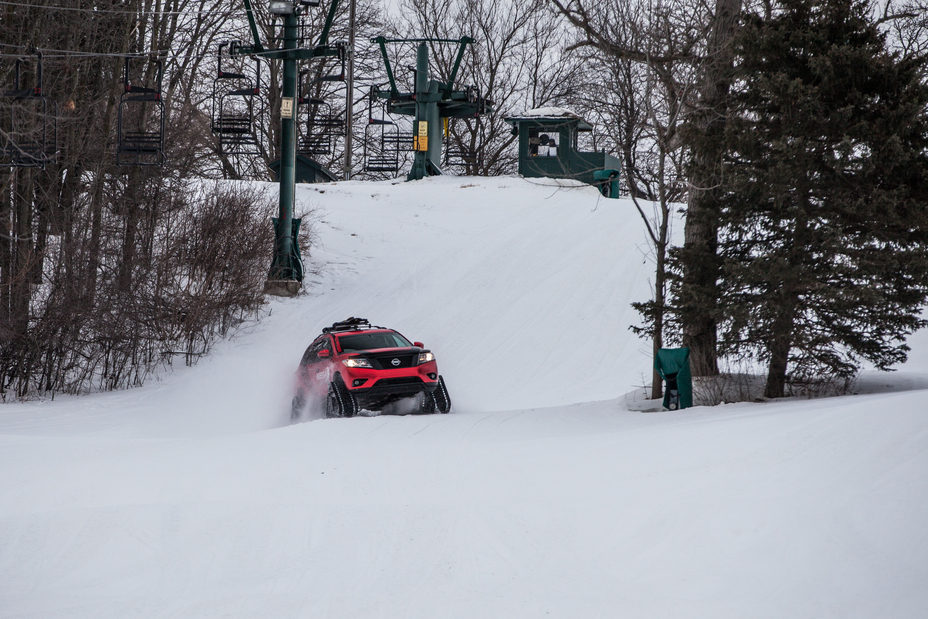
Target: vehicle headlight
[[425, 357], [357, 362]]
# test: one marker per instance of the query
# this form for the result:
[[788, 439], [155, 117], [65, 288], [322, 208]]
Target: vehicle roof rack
[[351, 324]]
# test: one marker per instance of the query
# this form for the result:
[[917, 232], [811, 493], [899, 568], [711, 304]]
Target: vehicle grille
[[385, 362]]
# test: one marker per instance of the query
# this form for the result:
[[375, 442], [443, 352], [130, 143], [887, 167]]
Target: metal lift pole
[[422, 129], [286, 273], [283, 268]]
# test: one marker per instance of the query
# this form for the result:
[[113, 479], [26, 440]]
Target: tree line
[[789, 133], [108, 272], [803, 165]]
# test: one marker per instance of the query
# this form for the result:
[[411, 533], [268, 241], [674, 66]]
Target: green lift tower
[[286, 273], [430, 103]]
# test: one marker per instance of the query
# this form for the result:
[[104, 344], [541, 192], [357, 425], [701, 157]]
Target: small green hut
[[548, 148]]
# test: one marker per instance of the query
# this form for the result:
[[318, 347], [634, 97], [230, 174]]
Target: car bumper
[[361, 379], [379, 386]]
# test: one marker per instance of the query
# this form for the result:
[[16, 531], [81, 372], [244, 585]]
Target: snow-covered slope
[[541, 496]]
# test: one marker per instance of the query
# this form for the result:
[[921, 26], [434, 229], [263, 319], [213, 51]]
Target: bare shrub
[[197, 271], [821, 386], [746, 384], [726, 388]]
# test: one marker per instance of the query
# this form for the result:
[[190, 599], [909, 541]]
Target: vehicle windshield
[[368, 341]]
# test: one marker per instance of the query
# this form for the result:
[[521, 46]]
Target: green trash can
[[607, 181], [673, 364]]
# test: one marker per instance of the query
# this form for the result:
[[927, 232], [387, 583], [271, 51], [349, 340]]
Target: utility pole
[[286, 273], [286, 276]]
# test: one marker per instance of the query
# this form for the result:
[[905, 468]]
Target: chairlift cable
[[114, 11], [64, 53], [163, 54]]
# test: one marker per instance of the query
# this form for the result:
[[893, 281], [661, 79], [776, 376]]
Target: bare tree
[[640, 86], [107, 271], [710, 52]]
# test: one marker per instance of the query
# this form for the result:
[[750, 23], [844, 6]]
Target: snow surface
[[542, 495]]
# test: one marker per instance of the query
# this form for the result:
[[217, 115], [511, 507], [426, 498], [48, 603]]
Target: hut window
[[543, 141]]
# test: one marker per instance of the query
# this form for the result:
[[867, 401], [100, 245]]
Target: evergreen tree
[[824, 198]]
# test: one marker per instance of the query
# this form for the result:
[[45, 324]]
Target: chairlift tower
[[286, 273], [431, 103]]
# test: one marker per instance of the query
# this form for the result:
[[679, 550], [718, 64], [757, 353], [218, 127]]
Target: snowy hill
[[543, 495]]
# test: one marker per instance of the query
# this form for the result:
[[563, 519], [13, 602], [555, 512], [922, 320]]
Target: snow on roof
[[548, 112]]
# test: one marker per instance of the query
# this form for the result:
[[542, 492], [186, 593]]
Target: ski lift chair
[[319, 136], [233, 110], [140, 122], [382, 161], [391, 140], [342, 49], [393, 143], [323, 127], [32, 138], [456, 155]]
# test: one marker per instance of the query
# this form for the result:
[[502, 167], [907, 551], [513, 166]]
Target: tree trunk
[[24, 251], [781, 336], [660, 274], [46, 200], [131, 213], [780, 343], [699, 294], [96, 209], [6, 265], [660, 278]]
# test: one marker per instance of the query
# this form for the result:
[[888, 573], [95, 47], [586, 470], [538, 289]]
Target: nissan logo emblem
[[395, 362]]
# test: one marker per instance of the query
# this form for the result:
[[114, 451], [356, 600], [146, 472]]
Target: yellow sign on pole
[[420, 141]]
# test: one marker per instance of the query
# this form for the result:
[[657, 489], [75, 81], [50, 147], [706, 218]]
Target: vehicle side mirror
[[419, 344], [324, 353]]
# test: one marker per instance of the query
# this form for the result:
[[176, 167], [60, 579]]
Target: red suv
[[354, 366]]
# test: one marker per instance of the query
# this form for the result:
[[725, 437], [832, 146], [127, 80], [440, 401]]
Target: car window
[[310, 355], [368, 341]]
